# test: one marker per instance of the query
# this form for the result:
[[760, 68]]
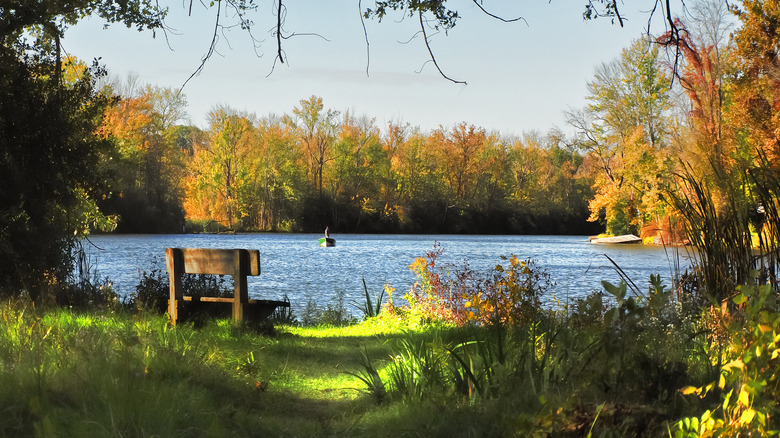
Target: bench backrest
[[214, 261]]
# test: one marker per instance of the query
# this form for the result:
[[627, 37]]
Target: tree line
[[317, 167]]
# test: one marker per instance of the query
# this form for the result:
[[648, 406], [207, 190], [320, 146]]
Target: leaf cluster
[[22, 16], [745, 392], [445, 18]]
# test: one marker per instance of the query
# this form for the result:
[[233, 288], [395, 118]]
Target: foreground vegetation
[[471, 354]]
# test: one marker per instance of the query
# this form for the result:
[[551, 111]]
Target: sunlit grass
[[73, 373], [101, 373]]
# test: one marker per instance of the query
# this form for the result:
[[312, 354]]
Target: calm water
[[294, 264]]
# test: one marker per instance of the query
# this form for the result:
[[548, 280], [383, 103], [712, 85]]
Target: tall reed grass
[[732, 223]]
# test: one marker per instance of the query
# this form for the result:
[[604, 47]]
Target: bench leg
[[173, 310], [174, 260]]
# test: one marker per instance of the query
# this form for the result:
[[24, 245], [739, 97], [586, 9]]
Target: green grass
[[68, 373], [116, 374], [102, 373]]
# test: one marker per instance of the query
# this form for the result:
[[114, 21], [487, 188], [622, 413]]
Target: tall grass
[[721, 234], [556, 372], [100, 373], [733, 223], [766, 183]]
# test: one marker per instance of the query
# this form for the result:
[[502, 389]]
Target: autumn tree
[[360, 169], [565, 189], [490, 183], [525, 157], [732, 193], [757, 111], [703, 70], [280, 181], [624, 132], [420, 189], [148, 169], [758, 93], [219, 169], [458, 150], [316, 129]]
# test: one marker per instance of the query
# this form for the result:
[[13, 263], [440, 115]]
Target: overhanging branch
[[210, 52], [430, 52], [505, 20]]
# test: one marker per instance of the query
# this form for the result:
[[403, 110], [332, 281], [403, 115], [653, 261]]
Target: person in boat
[[327, 232]]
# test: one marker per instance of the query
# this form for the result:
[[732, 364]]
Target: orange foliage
[[510, 296], [127, 121], [458, 150]]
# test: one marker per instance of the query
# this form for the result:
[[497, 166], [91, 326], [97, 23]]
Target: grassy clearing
[[66, 373], [69, 373]]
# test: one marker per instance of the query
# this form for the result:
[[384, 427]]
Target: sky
[[520, 76]]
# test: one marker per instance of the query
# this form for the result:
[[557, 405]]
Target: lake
[[294, 264]]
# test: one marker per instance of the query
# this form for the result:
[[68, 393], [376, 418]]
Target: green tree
[[48, 186], [49, 151]]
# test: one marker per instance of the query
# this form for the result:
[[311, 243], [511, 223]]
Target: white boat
[[625, 239]]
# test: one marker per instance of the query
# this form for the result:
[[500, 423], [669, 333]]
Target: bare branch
[[281, 15], [617, 12], [279, 54], [246, 25], [430, 52], [673, 35], [415, 35], [210, 52], [510, 20], [422, 67], [164, 28], [611, 10], [365, 34], [296, 34], [652, 13]]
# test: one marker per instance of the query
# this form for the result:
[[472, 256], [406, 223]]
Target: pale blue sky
[[520, 77]]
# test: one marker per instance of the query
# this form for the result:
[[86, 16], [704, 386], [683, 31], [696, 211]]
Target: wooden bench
[[238, 263]]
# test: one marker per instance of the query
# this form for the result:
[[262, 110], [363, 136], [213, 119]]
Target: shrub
[[747, 401], [458, 294], [334, 314], [153, 289], [510, 295], [438, 293]]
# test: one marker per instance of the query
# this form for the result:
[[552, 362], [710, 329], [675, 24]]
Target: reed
[[720, 234], [370, 308]]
